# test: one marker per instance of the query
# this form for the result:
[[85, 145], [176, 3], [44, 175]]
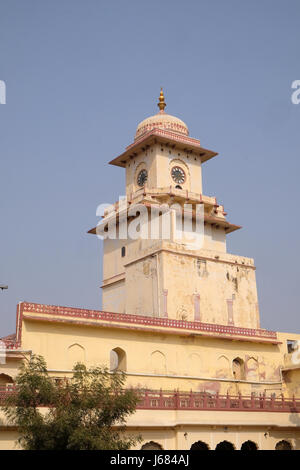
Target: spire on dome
[[161, 104], [161, 120]]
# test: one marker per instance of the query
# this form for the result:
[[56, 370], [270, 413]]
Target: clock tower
[[172, 277]]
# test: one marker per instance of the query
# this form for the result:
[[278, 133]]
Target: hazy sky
[[80, 75]]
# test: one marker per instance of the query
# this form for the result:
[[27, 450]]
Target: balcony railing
[[197, 401], [162, 400]]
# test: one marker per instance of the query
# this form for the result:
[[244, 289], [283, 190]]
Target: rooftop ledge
[[173, 139], [52, 313]]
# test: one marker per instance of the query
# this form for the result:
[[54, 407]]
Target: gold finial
[[161, 104]]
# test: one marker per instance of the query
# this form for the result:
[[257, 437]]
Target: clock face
[[178, 174], [142, 177]]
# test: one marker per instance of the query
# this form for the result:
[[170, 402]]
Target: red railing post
[[240, 401], [146, 399], [217, 401], [252, 401], [227, 400], [205, 401], [176, 400], [272, 402], [161, 401], [192, 404]]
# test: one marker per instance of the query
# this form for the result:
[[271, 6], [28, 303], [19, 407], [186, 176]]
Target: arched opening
[[238, 369], [199, 445], [118, 360], [225, 445], [249, 445], [283, 445], [6, 381], [151, 445]]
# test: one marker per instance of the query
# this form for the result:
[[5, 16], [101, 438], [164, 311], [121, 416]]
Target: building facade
[[180, 315]]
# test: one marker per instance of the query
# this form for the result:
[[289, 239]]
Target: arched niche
[[238, 368], [117, 360], [158, 362], [76, 353]]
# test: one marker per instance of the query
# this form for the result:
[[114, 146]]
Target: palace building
[[180, 315]]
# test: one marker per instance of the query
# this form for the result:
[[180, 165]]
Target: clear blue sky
[[81, 74]]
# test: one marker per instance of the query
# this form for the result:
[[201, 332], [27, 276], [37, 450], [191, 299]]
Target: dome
[[161, 120]]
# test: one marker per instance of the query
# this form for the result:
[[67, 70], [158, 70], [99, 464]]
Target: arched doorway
[[151, 445], [283, 445], [238, 368], [249, 445], [225, 445], [5, 379], [199, 445]]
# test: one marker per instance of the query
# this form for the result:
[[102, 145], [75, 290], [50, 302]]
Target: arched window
[[199, 445], [151, 445], [225, 445], [249, 445], [283, 445], [238, 369], [118, 360]]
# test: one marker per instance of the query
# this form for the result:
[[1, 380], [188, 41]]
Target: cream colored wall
[[181, 437], [113, 297], [10, 367], [218, 278], [113, 263], [142, 279], [144, 160], [214, 238], [159, 360], [8, 439], [158, 159], [215, 282], [183, 273]]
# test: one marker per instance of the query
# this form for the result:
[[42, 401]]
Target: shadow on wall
[[117, 360]]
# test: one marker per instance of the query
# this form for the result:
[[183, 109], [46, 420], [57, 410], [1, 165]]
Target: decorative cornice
[[164, 136], [165, 324]]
